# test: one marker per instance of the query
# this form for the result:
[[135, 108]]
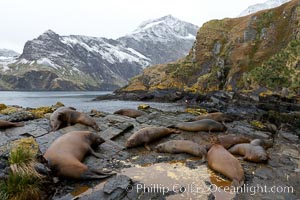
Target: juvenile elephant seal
[[228, 141], [65, 154], [201, 125], [220, 160], [253, 153], [217, 116], [147, 135], [130, 112], [182, 146], [67, 116], [7, 124]]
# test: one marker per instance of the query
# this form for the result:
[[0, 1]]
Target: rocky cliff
[[251, 53], [54, 62]]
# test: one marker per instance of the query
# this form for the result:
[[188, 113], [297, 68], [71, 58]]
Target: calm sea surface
[[80, 100]]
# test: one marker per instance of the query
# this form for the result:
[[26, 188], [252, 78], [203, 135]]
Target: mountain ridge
[[91, 63]]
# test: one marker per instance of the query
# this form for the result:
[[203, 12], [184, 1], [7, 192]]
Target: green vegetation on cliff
[[247, 53]]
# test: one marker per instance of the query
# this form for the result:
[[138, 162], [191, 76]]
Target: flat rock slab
[[113, 132], [243, 128], [288, 136], [35, 128], [111, 148]]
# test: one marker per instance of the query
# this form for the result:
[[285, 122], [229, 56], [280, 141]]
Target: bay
[[82, 100]]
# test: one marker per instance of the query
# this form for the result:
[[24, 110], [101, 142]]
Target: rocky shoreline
[[139, 169]]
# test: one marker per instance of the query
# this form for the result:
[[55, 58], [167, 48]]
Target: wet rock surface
[[138, 166]]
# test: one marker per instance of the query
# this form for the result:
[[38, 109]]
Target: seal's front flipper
[[97, 155], [147, 147]]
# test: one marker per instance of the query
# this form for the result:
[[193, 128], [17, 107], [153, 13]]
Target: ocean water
[[81, 100]]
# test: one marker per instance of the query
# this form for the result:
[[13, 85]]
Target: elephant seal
[[201, 125], [147, 135], [133, 113], [65, 154], [253, 153], [228, 141], [7, 124], [182, 146], [217, 116], [220, 160], [67, 116]]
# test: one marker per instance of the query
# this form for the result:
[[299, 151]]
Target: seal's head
[[131, 142], [95, 139], [159, 147]]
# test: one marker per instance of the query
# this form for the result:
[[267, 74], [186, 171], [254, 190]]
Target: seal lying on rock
[[251, 152], [217, 116], [182, 146], [7, 124], [65, 154], [220, 160], [130, 112], [67, 116], [228, 141], [147, 135], [201, 125]]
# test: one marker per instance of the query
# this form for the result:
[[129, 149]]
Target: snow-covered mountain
[[263, 6], [7, 54], [7, 57], [162, 40], [54, 62]]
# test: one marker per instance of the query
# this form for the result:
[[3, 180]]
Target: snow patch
[[262, 6], [23, 61], [111, 53], [47, 62]]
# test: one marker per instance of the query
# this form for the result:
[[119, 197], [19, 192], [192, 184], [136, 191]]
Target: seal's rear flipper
[[237, 183], [96, 174], [102, 172], [19, 124], [171, 126]]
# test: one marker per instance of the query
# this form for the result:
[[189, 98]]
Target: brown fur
[[228, 141], [68, 116], [182, 146], [253, 153], [7, 124], [148, 134], [65, 154], [220, 160], [201, 125], [130, 112], [217, 116]]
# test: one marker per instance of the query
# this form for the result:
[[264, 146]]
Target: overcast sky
[[23, 20]]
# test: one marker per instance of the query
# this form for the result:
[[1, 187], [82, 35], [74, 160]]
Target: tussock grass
[[20, 186], [23, 182], [20, 155]]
